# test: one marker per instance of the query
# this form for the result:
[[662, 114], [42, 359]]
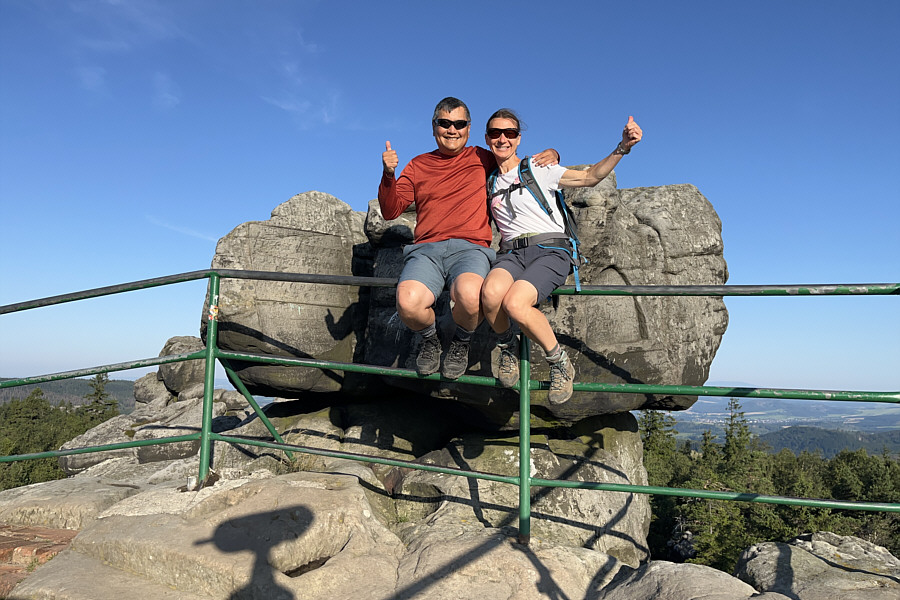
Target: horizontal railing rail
[[523, 480]]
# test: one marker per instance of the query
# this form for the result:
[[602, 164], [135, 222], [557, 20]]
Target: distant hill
[[767, 414], [73, 391], [829, 442]]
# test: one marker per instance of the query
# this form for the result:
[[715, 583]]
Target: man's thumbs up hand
[[389, 159]]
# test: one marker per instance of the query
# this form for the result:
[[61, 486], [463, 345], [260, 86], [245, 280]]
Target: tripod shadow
[[260, 533]]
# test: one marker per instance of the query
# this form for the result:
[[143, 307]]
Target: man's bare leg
[[466, 295], [415, 305]]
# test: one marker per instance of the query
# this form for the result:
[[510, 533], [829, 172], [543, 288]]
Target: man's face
[[451, 140]]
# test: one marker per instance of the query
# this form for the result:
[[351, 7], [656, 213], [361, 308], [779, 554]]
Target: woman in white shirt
[[534, 257]]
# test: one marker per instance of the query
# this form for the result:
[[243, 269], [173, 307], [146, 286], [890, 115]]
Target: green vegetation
[[35, 425], [75, 391], [741, 462], [830, 442]]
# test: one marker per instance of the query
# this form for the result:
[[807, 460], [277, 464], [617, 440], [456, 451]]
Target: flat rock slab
[[74, 576], [62, 504]]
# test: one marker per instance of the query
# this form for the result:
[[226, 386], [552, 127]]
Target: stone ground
[[23, 548]]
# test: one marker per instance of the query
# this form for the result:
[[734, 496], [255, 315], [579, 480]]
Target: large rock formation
[[330, 535], [310, 233], [648, 236], [260, 528]]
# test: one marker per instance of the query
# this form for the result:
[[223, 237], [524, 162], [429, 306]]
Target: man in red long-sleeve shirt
[[452, 237]]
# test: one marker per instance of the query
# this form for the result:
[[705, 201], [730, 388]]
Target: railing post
[[209, 385], [525, 441]]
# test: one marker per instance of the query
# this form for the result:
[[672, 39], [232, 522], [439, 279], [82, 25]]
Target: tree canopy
[[714, 533]]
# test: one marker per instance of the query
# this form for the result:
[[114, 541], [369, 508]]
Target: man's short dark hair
[[449, 104]]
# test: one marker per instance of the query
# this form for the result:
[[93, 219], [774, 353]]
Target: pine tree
[[658, 435], [99, 403], [737, 449]]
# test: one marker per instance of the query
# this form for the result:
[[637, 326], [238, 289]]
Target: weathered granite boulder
[[326, 536], [822, 566], [667, 235], [660, 580], [149, 421], [181, 375], [312, 232], [150, 390], [604, 449], [303, 535], [611, 522]]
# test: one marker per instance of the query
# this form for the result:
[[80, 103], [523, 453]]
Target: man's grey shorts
[[544, 268], [436, 264]]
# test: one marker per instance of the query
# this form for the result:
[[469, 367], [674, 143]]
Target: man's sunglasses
[[510, 134], [447, 123]]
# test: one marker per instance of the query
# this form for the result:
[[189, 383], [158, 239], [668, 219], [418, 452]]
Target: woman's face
[[502, 146]]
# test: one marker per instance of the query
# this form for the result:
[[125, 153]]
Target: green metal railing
[[524, 480]]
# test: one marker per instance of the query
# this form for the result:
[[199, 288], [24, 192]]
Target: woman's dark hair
[[506, 113]]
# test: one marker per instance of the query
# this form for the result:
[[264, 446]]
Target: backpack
[[527, 181]]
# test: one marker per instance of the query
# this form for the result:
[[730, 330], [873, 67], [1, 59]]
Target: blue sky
[[135, 134]]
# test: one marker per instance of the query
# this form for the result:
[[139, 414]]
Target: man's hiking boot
[[429, 359], [457, 359], [561, 375], [508, 365]]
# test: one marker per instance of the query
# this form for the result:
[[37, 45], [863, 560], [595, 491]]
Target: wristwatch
[[621, 149]]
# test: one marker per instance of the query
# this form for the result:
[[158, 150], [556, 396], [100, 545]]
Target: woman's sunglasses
[[510, 134]]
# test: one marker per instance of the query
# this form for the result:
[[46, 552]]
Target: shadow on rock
[[253, 533]]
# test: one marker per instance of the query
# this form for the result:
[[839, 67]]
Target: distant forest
[[714, 532], [32, 425], [801, 438], [829, 443], [73, 391]]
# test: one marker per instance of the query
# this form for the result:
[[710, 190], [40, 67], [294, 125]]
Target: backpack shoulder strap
[[490, 183], [526, 176]]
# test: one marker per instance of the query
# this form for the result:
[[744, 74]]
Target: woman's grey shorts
[[437, 264], [544, 268]]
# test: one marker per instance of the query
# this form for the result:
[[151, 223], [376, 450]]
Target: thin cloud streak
[[182, 230]]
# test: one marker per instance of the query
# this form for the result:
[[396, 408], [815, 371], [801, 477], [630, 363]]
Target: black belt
[[541, 238]]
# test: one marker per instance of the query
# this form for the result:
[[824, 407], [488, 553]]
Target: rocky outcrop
[[269, 524], [822, 566], [327, 536], [604, 450], [302, 535], [662, 580], [310, 233], [313, 526], [179, 376], [168, 403], [646, 236]]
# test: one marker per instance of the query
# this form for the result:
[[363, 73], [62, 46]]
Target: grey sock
[[555, 355], [428, 331], [463, 335]]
